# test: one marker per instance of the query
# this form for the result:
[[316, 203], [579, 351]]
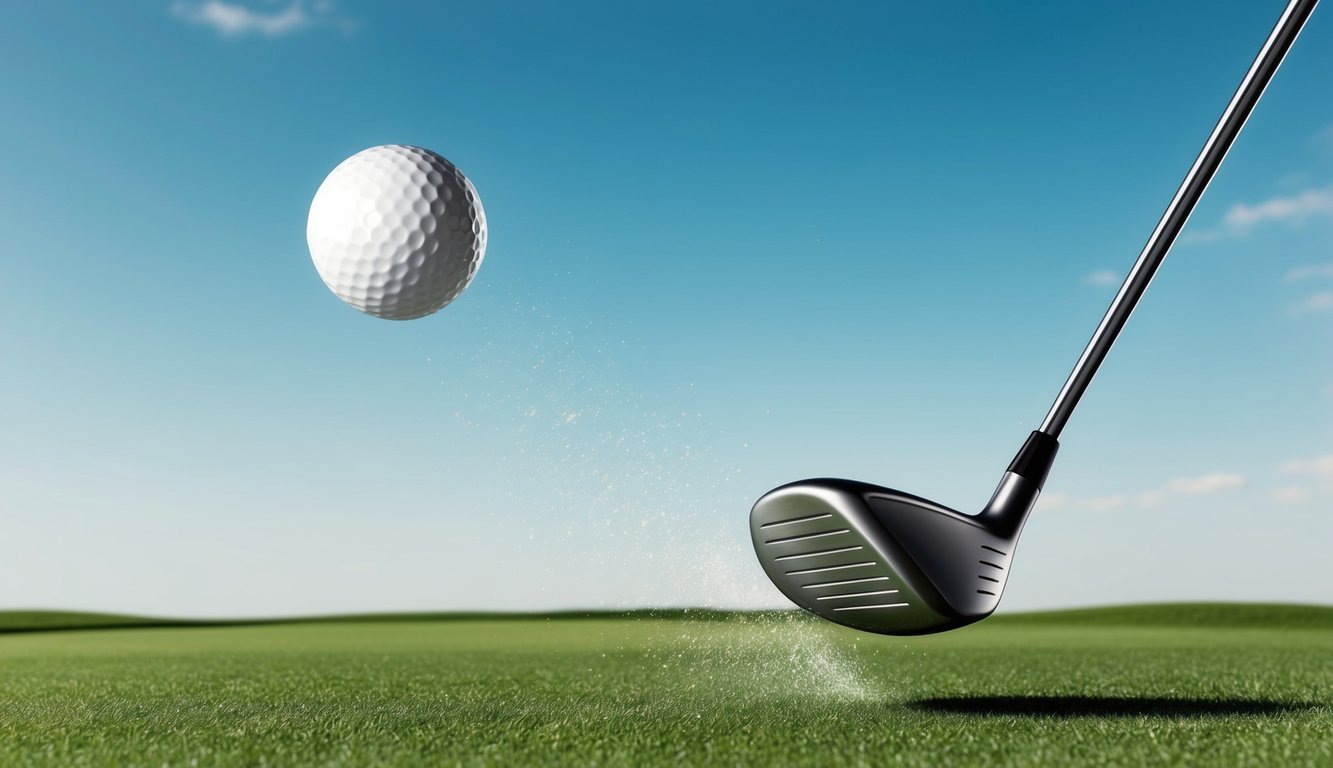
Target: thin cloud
[[1311, 272], [1324, 140], [1291, 494], [1316, 302], [1105, 503], [1319, 469], [1320, 466], [1311, 202], [1201, 485], [1150, 498], [1052, 501], [1102, 277], [236, 20], [1205, 484], [1293, 209]]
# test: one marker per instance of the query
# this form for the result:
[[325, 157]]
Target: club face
[[878, 560]]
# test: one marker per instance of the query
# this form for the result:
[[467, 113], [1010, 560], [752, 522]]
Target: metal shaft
[[1173, 220]]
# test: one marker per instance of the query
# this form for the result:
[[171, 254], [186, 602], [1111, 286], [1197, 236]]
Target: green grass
[[58, 621], [1204, 684]]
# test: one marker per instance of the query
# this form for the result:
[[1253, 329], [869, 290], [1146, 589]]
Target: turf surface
[[1204, 685]]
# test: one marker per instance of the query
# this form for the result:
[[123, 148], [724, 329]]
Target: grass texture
[[1199, 684]]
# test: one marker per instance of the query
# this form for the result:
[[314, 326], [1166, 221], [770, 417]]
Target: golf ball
[[396, 231]]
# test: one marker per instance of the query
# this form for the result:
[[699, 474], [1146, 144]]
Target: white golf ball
[[396, 231]]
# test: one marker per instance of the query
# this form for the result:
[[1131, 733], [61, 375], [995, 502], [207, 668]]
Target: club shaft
[[1178, 211]]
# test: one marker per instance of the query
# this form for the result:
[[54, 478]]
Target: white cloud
[[1324, 140], [1320, 466], [1290, 494], [1052, 501], [1215, 482], [1105, 503], [1311, 202], [1294, 209], [1311, 272], [236, 20], [1316, 302], [1149, 498], [1204, 484], [1102, 277]]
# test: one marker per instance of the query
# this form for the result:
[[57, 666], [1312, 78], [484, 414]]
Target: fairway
[[1208, 685]]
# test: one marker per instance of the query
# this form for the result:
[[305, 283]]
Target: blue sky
[[732, 245]]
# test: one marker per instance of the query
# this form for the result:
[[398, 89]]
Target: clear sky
[[732, 245]]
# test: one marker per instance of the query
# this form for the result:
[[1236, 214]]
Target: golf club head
[[884, 561]]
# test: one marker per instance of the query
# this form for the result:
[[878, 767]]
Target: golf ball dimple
[[396, 231]]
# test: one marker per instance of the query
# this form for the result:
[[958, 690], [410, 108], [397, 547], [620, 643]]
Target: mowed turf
[[1204, 685]]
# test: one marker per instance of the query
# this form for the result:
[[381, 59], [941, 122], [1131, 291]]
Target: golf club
[[889, 562]]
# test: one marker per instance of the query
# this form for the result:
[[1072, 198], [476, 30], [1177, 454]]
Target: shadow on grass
[[1102, 706]]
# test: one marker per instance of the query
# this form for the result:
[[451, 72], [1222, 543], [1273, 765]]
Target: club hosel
[[1021, 485], [1035, 458]]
